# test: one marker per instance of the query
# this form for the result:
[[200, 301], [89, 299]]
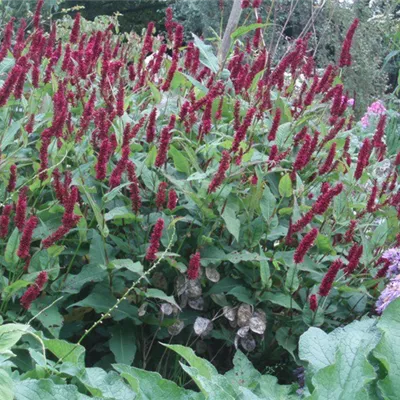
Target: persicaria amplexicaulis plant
[[252, 161]]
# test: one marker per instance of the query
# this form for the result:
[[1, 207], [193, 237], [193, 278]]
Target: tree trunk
[[233, 21]]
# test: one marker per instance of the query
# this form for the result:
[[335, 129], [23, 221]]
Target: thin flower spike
[[313, 302], [328, 279], [221, 173], [25, 243], [306, 243], [194, 266], [155, 240], [345, 56]]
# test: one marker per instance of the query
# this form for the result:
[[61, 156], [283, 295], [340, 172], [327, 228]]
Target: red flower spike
[[345, 56], [303, 156], [155, 240], [102, 160], [161, 195], [5, 220], [328, 279], [13, 178], [165, 139], [25, 242], [349, 235], [221, 173], [327, 166], [74, 37], [38, 10], [31, 294], [353, 258], [363, 158], [313, 302], [275, 125], [379, 133], [371, 207], [306, 243], [194, 266], [134, 187], [172, 199], [20, 210], [151, 126]]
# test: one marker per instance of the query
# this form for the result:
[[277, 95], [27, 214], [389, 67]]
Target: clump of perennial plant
[[250, 162]]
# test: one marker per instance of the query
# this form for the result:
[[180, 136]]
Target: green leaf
[[379, 236], [46, 389], [207, 57], [243, 372], [69, 352], [285, 186], [10, 335], [267, 204], [159, 294], [280, 299], [6, 386], [287, 340], [11, 289], [74, 283], [339, 360], [120, 213], [265, 272], [108, 386], [324, 244], [292, 280], [388, 350], [205, 369], [136, 267], [180, 161], [242, 30], [243, 294], [150, 385], [10, 254], [271, 390], [97, 213], [123, 343], [231, 221], [10, 133], [155, 92], [101, 300]]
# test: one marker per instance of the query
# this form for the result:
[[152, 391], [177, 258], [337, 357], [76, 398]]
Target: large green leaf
[[350, 373], [68, 352], [46, 389], [207, 57], [6, 386], [123, 343], [267, 204], [108, 386], [10, 334], [10, 253], [150, 385], [388, 350], [180, 161]]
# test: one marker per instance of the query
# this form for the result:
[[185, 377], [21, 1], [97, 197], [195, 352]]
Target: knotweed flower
[[245, 4], [194, 266], [242, 130], [379, 133], [74, 37], [348, 236], [275, 125], [12, 179], [102, 160], [305, 245], [372, 199], [25, 243], [7, 37], [36, 17], [155, 240], [33, 292], [161, 195], [313, 302], [311, 93], [328, 279], [327, 166], [5, 220], [165, 138], [363, 158], [20, 210], [353, 258], [303, 156], [116, 174], [172, 199], [221, 173], [151, 126], [20, 39], [345, 56], [134, 187]]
